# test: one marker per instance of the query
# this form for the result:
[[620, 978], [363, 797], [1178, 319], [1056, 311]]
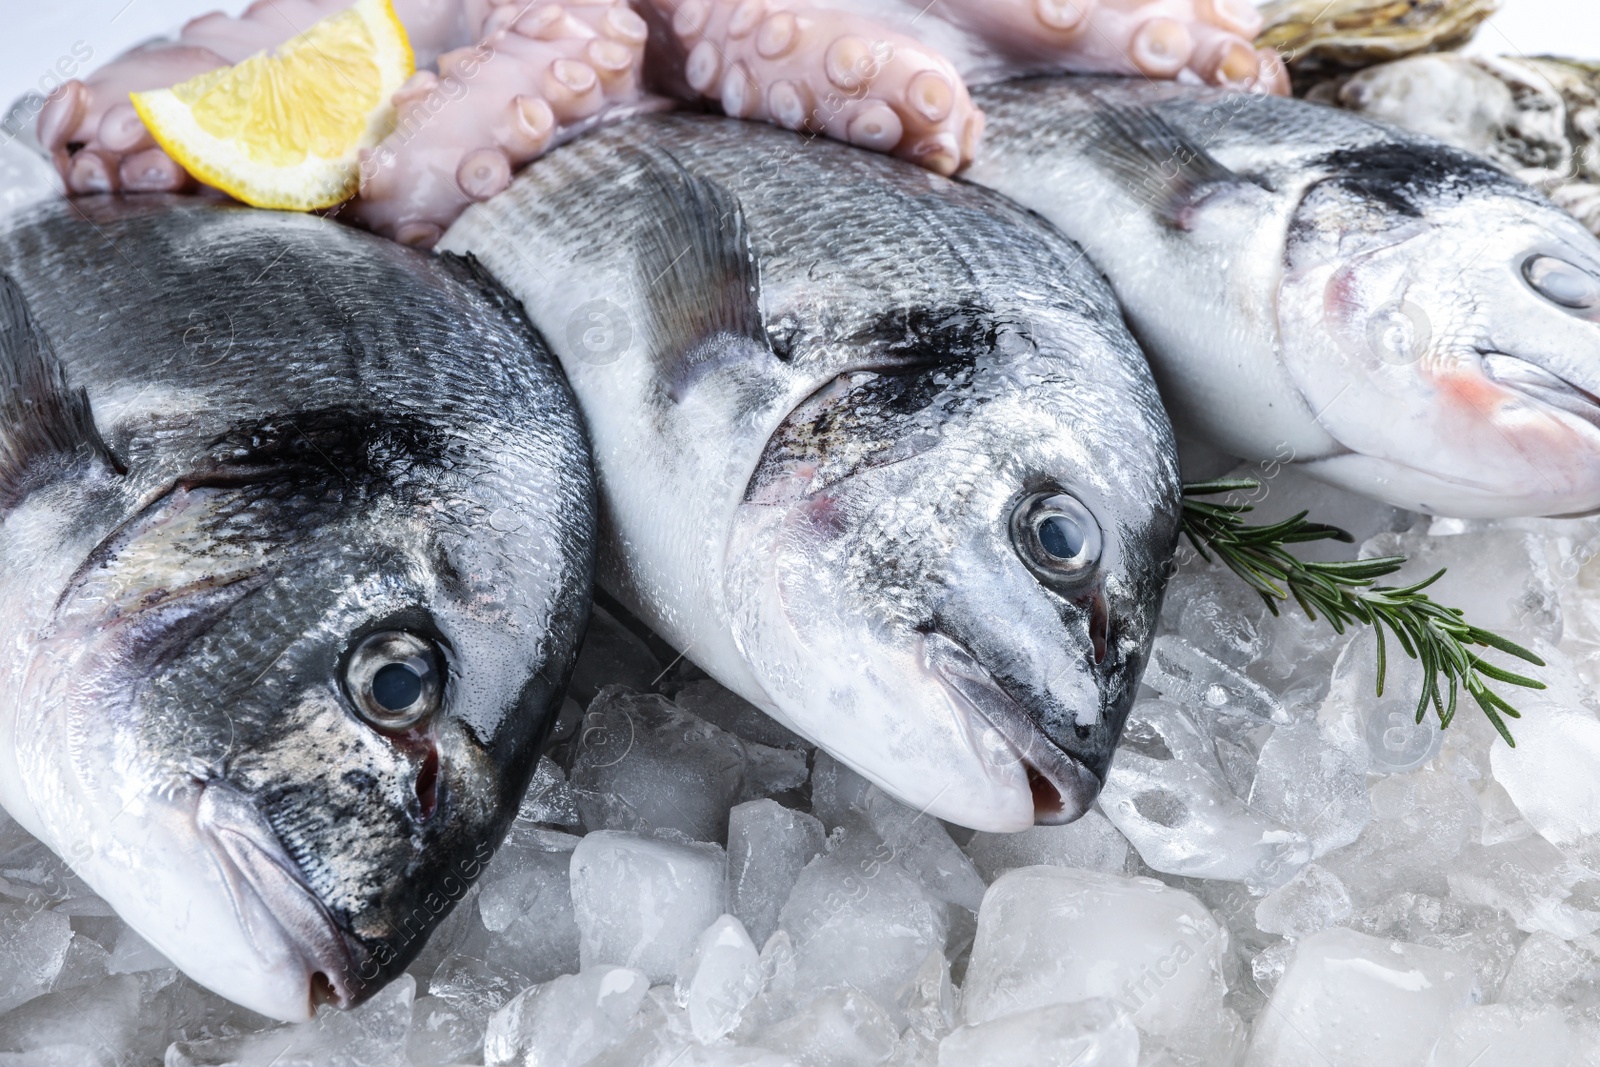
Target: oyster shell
[[1318, 35], [1539, 118]]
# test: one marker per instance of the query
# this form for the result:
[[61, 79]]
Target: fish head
[[306, 709], [286, 708], [951, 572], [1443, 324]]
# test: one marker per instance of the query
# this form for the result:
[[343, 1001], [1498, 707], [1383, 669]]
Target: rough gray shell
[[1539, 118]]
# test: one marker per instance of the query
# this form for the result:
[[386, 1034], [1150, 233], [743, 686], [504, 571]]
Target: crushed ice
[[1283, 869]]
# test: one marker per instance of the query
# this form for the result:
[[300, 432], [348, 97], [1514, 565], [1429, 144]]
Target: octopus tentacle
[[825, 70], [97, 141], [888, 75], [1205, 40], [88, 127], [541, 76]]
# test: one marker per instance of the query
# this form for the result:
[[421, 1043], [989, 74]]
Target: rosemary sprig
[[1346, 593]]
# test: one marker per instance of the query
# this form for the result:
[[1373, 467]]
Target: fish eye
[[395, 679], [1561, 282], [1056, 537]]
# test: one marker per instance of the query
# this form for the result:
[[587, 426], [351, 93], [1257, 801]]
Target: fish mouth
[[1063, 788], [1536, 383], [274, 905]]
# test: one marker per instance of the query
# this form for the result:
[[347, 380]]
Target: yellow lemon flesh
[[284, 129]]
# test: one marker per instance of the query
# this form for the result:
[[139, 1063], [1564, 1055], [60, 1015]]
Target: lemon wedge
[[284, 128]]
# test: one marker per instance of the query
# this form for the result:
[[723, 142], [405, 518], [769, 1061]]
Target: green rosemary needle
[[1345, 593]]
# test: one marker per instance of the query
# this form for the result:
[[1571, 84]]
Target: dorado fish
[[874, 449], [295, 550], [1397, 316]]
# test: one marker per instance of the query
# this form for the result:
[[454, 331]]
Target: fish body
[[296, 549], [1398, 316], [874, 449]]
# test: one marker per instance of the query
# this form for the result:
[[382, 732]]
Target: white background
[[40, 33]]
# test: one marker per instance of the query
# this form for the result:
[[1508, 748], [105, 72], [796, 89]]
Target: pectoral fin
[[698, 274], [1160, 164]]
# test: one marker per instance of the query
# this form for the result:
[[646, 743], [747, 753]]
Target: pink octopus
[[511, 78]]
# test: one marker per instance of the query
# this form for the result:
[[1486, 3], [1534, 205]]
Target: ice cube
[[1237, 745], [1268, 965], [133, 954], [721, 978], [1421, 821], [1386, 725], [1311, 781], [475, 988], [440, 1034], [1088, 1033], [1533, 882], [1548, 970], [526, 899], [1312, 900], [372, 1035], [1553, 775], [768, 846], [99, 1022], [770, 772], [777, 999], [671, 1052], [567, 1021], [36, 947], [1052, 935], [181, 1011], [931, 1007], [549, 798], [460, 932], [644, 764], [1484, 935], [845, 1028], [1091, 843], [733, 713], [1167, 795], [1304, 651], [86, 963], [1188, 676], [1499, 1035], [1500, 819], [642, 902], [1222, 615], [922, 846], [658, 1035], [1349, 1000], [857, 918], [838, 794], [1234, 907]]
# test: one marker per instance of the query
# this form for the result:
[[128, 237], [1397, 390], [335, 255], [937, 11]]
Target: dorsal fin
[[1163, 166], [699, 275], [43, 421]]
